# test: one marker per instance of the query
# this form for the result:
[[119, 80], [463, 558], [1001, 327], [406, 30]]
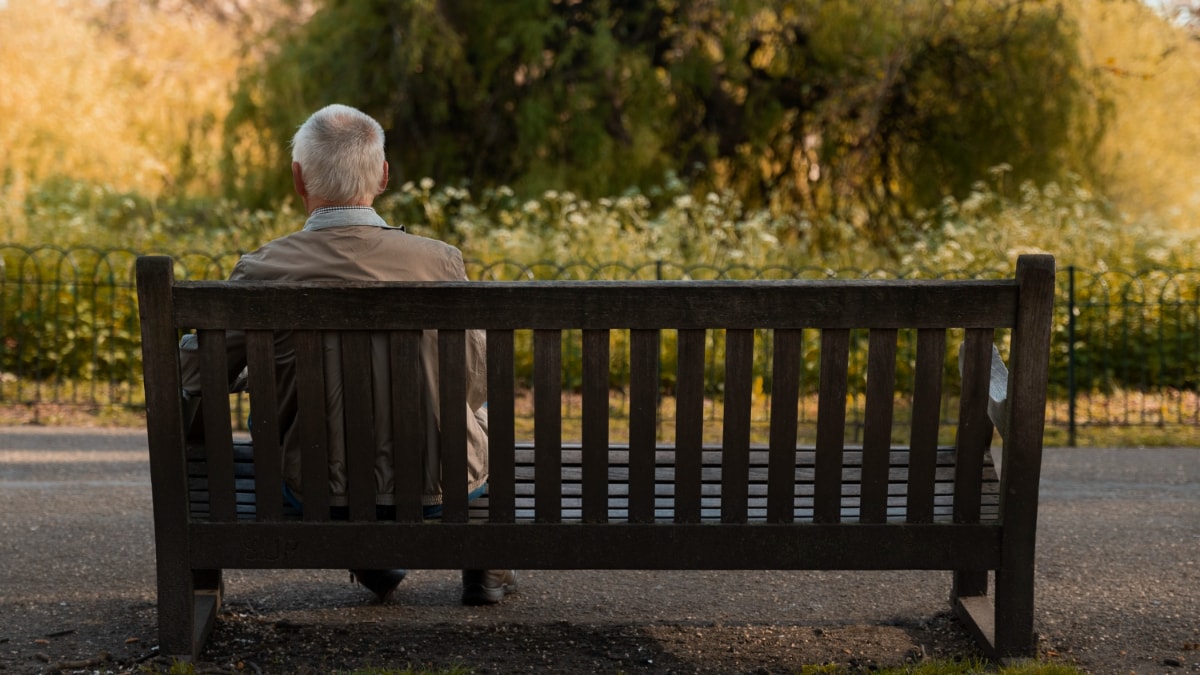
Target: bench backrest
[[842, 312]]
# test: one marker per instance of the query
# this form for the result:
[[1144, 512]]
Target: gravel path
[[1118, 587]]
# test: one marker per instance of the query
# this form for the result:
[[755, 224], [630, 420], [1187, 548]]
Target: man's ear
[[383, 183], [298, 181]]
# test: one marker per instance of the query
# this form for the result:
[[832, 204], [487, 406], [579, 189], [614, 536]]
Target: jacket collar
[[345, 216]]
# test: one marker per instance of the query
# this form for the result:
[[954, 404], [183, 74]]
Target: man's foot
[[487, 587], [379, 582]]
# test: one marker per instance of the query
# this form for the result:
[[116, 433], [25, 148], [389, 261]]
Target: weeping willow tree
[[862, 111]]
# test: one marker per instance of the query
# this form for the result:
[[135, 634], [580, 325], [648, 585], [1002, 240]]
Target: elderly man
[[338, 169]]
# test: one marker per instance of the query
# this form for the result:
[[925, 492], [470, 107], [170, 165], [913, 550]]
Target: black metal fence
[[1125, 357]]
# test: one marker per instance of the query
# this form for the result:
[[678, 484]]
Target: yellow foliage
[[133, 94], [1151, 68], [120, 93]]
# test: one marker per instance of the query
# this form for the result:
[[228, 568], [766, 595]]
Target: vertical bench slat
[[312, 428], [452, 394], [176, 584], [927, 397], [264, 425], [877, 436], [408, 423], [501, 431], [1021, 475], [218, 436], [644, 348], [595, 425], [735, 440], [785, 398], [358, 409], [974, 435], [689, 424], [547, 425], [831, 426]]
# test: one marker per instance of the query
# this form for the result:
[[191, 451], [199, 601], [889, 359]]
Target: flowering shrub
[[665, 233]]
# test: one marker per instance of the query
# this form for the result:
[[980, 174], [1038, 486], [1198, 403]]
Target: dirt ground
[[1118, 589], [569, 647], [318, 622]]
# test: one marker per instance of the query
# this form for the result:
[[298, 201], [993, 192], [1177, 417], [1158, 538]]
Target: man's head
[[337, 158]]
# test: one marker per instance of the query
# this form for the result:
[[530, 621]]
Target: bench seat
[[618, 486]]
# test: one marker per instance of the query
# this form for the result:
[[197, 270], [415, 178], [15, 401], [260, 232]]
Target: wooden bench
[[699, 500]]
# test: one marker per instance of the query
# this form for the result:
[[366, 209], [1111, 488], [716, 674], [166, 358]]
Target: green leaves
[[859, 111]]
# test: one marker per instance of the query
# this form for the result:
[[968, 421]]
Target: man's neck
[[340, 207], [314, 203]]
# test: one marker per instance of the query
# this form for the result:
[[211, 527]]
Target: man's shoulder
[[260, 263], [352, 253], [402, 238]]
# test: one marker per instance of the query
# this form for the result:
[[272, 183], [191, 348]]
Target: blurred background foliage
[[577, 138], [832, 129]]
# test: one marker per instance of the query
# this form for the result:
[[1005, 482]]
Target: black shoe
[[487, 587], [379, 582]]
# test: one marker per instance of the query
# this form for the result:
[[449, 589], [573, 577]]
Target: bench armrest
[[997, 390], [998, 393]]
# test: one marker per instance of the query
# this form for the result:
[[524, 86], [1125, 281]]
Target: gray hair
[[340, 152]]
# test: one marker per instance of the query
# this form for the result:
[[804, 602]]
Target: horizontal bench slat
[[618, 454], [597, 305], [592, 546]]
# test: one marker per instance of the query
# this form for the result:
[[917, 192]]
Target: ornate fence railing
[[1126, 350]]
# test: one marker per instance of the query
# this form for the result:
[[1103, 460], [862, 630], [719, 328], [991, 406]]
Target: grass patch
[[950, 667], [935, 667], [184, 668], [930, 667], [451, 670]]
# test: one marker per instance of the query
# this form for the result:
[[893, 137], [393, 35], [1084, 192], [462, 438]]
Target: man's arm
[[476, 346], [189, 361]]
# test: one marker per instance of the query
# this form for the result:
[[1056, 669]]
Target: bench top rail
[[556, 305]]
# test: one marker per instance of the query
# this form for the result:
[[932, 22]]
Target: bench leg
[[1004, 629], [209, 582], [1014, 613], [970, 602], [969, 582], [210, 590], [188, 602], [176, 608], [977, 614]]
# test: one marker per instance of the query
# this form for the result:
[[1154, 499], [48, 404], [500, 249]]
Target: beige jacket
[[368, 252]]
